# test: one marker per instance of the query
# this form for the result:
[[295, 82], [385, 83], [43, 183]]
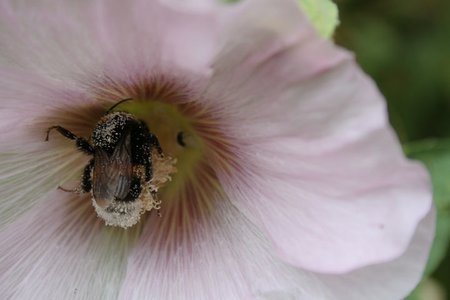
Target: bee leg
[[149, 138], [82, 144], [77, 190], [154, 142], [157, 206], [148, 169], [135, 189], [86, 180]]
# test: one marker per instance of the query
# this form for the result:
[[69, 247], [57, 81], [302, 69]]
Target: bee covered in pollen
[[127, 168]]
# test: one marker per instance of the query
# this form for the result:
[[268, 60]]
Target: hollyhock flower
[[289, 183]]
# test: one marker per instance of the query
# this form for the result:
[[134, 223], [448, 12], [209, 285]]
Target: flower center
[[187, 131]]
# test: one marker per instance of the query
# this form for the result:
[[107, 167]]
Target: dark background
[[405, 46]]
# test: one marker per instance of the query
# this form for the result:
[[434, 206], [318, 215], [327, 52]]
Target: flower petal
[[61, 250], [174, 37], [229, 258], [391, 280], [317, 164], [30, 104], [400, 275], [225, 258], [27, 177], [328, 223], [30, 166], [61, 46], [75, 41]]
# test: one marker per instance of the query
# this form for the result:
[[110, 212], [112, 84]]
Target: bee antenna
[[117, 104]]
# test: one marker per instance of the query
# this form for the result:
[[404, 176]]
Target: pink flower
[[290, 183]]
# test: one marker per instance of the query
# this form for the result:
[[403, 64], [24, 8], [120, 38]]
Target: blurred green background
[[404, 46]]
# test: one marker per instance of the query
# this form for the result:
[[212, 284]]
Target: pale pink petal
[[61, 250], [229, 258], [287, 63], [388, 281], [27, 177], [315, 161], [29, 104], [30, 166], [143, 37], [50, 38], [391, 280], [224, 258], [79, 41], [187, 37], [193, 5], [318, 175]]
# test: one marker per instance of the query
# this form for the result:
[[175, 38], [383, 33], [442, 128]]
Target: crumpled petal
[[319, 167], [61, 250]]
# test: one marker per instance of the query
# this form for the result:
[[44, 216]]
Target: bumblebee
[[119, 176]]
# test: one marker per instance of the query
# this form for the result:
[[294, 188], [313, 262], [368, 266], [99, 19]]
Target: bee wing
[[113, 173]]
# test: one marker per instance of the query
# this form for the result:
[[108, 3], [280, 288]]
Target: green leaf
[[435, 154], [323, 14], [429, 289]]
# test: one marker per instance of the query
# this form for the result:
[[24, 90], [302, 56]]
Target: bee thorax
[[109, 130]]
